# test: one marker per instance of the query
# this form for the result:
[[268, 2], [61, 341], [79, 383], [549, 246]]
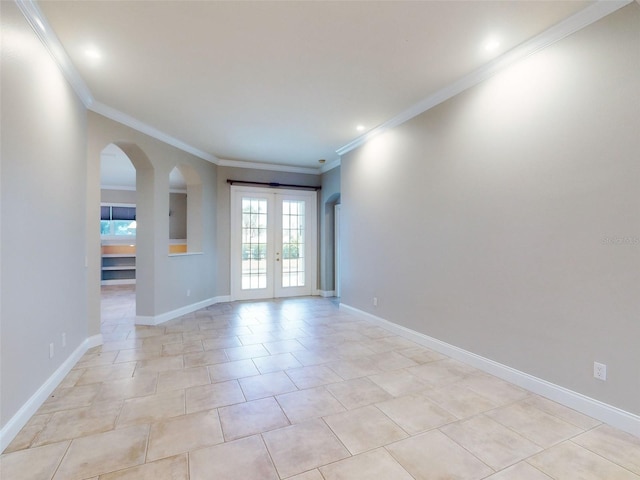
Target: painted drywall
[[163, 283], [118, 196], [43, 144], [224, 210], [329, 198], [506, 221]]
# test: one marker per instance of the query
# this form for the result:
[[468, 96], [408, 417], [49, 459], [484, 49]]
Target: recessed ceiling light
[[92, 53], [360, 128], [492, 44]]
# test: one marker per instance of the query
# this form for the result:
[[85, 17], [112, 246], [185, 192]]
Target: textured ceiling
[[283, 82]]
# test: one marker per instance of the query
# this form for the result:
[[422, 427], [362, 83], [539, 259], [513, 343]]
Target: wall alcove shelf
[[118, 264]]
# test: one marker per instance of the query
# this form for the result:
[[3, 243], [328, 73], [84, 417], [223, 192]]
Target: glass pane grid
[[293, 241], [254, 243]]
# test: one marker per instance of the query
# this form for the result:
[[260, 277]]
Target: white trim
[[119, 281], [336, 163], [49, 39], [185, 254], [142, 127], [268, 166], [326, 293], [164, 317], [22, 416], [576, 22], [117, 187], [604, 412]]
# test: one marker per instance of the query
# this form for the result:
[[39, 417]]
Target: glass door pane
[[293, 243], [254, 243]]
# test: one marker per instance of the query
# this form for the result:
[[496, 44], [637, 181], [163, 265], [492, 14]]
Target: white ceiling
[[283, 82]]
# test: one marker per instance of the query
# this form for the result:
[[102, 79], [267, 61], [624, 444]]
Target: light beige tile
[[106, 373], [249, 418], [534, 424], [96, 359], [459, 400], [491, 442], [313, 356], [310, 475], [354, 368], [358, 393], [182, 348], [496, 390], [390, 361], [159, 364], [138, 386], [374, 464], [421, 354], [209, 357], [314, 376], [415, 413], [72, 377], [276, 363], [232, 370], [79, 422], [520, 471], [109, 346], [284, 346], [206, 397], [267, 385], [104, 453], [29, 432], [398, 382], [250, 351], [618, 446], [565, 413], [172, 468], [218, 343], [243, 459], [569, 461], [144, 353], [183, 434], [68, 398], [152, 408], [165, 339], [433, 455], [364, 429], [441, 372], [306, 404], [303, 447], [32, 463], [181, 379]]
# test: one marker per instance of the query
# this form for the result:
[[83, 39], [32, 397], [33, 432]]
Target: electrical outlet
[[64, 339], [375, 301], [600, 371], [51, 350]]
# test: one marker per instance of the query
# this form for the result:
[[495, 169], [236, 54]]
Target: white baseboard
[[164, 317], [326, 293], [22, 416], [604, 412]]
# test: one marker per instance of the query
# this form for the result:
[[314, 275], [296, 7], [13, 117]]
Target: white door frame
[[311, 242]]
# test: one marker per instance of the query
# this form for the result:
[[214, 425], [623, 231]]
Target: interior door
[[273, 243]]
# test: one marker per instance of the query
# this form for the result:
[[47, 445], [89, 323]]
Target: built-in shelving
[[118, 264]]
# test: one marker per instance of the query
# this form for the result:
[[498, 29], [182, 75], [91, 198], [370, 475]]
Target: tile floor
[[296, 389]]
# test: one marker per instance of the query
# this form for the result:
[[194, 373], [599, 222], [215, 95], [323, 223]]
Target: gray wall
[[224, 210], [43, 292], [329, 198], [493, 222], [162, 281]]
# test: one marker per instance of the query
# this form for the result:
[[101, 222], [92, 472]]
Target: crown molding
[[147, 129], [570, 25], [268, 166], [49, 39]]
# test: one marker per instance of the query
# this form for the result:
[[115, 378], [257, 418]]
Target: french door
[[273, 243]]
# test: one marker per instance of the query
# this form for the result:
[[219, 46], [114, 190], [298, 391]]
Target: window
[[117, 220]]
